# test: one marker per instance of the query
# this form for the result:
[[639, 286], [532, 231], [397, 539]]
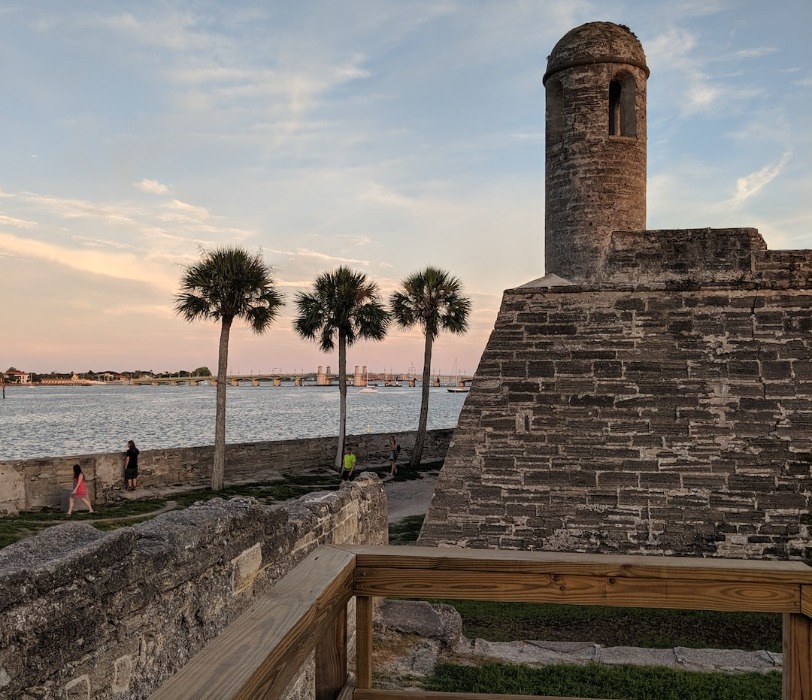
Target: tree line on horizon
[[342, 307], [93, 374]]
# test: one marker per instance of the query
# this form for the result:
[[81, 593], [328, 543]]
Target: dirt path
[[409, 497]]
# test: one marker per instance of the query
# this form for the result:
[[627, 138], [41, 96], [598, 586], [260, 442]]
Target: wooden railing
[[258, 655]]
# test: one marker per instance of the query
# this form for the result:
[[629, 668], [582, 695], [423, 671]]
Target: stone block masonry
[[33, 484], [86, 614], [638, 419]]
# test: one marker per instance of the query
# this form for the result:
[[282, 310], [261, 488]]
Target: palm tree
[[433, 300], [342, 306], [228, 283]]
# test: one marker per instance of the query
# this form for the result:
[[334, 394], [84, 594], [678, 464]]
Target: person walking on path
[[131, 466], [348, 468], [79, 490], [394, 452]]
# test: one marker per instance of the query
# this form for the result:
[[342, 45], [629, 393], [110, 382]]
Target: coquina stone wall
[[86, 614], [668, 417], [33, 484]]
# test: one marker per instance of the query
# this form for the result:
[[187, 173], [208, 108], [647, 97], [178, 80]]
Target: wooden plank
[[424, 695], [806, 600], [258, 654], [363, 641], [797, 666], [331, 658], [578, 590], [347, 691], [509, 561]]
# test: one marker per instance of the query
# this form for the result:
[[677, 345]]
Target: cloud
[[122, 266], [379, 194], [178, 31], [81, 209], [678, 50], [16, 223], [183, 211], [332, 259], [752, 184], [754, 53], [152, 186]]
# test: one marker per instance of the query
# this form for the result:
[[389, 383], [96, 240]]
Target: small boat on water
[[369, 390], [459, 386]]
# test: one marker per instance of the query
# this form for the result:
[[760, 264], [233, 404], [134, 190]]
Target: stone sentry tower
[[658, 398], [596, 146]]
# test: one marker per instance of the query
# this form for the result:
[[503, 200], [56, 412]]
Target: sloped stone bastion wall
[[32, 484], [86, 614]]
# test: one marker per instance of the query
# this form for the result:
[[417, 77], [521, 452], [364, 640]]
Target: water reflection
[[54, 421]]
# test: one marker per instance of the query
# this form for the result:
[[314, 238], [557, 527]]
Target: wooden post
[[797, 674], [331, 658], [363, 641]]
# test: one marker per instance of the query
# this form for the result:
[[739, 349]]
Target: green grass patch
[[406, 531], [15, 528], [596, 681], [660, 629]]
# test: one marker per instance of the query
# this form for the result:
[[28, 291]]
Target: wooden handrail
[[263, 650], [422, 695], [580, 579], [257, 656]]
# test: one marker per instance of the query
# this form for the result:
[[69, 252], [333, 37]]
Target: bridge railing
[[261, 652]]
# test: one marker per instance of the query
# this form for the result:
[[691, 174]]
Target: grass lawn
[[596, 681], [611, 627]]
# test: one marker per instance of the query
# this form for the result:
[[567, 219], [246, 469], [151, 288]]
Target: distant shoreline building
[[16, 377]]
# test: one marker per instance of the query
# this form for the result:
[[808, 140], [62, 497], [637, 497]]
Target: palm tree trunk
[[420, 438], [342, 392], [219, 466]]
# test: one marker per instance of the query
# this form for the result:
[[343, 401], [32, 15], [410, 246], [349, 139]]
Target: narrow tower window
[[555, 116], [615, 115], [622, 117]]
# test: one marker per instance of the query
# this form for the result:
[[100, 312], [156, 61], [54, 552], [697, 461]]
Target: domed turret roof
[[596, 42]]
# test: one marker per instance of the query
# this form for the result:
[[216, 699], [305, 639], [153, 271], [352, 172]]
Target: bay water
[[53, 421]]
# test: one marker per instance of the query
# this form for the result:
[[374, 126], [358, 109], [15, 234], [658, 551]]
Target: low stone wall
[[86, 614], [33, 484], [708, 257]]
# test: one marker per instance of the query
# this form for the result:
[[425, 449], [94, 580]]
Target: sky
[[385, 135]]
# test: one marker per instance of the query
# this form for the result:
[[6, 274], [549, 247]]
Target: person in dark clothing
[[131, 466]]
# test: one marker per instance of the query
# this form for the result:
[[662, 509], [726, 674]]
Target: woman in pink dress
[[79, 489]]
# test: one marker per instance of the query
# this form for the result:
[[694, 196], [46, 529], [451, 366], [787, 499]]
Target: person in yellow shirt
[[348, 470]]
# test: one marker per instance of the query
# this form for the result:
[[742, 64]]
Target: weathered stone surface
[[699, 440], [113, 615]]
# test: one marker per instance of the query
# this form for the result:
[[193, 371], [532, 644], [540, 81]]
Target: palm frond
[[432, 299], [342, 303]]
